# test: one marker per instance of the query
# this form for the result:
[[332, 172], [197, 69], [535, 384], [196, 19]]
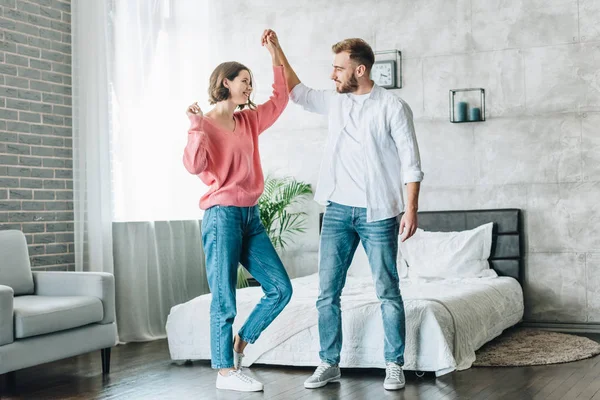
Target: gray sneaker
[[394, 377], [324, 374]]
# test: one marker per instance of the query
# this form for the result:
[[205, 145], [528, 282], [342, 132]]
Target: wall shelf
[[462, 111]]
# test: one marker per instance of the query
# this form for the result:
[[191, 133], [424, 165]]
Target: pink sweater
[[229, 162]]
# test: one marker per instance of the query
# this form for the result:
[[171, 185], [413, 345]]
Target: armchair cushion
[[15, 269], [37, 315], [96, 284], [6, 315]]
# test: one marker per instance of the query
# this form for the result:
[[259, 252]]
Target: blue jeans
[[233, 235], [343, 228]]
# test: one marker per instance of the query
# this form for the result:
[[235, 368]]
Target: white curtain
[[137, 64], [91, 137], [161, 66], [157, 265]]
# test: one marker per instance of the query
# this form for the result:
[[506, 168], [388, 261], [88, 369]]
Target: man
[[371, 138]]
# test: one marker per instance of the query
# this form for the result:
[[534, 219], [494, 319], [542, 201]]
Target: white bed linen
[[446, 321]]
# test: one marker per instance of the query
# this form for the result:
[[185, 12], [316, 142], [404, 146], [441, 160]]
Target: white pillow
[[449, 254], [360, 264]]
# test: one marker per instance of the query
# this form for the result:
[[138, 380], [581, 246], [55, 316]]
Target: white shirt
[[349, 171], [389, 145]]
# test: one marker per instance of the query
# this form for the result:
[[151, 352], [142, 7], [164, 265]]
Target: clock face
[[383, 74]]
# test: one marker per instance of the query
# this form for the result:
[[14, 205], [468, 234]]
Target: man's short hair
[[359, 50]]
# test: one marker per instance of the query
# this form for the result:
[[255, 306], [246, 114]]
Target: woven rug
[[524, 346]]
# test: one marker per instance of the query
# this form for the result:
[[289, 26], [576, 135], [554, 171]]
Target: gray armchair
[[47, 316]]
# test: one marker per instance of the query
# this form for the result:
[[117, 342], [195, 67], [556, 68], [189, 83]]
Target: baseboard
[[563, 327]]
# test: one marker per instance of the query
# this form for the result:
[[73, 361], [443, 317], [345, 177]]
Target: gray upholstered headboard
[[506, 257]]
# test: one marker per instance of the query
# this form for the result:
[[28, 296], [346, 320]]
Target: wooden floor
[[144, 371]]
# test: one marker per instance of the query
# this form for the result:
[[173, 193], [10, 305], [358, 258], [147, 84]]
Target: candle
[[461, 114], [475, 114]]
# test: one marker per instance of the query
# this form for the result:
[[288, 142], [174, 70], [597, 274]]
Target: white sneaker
[[324, 374], [237, 360], [394, 377], [236, 380]]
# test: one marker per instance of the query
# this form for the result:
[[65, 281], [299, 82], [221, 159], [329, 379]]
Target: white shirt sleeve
[[317, 101], [403, 133]]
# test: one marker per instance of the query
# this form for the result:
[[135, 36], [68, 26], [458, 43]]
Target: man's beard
[[350, 86]]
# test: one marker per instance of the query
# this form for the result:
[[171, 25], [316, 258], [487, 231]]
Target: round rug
[[523, 346]]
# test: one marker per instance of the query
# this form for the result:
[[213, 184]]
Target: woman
[[222, 150]]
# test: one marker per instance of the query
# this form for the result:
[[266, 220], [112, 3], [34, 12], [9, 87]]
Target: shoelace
[[393, 371], [242, 377], [320, 369]]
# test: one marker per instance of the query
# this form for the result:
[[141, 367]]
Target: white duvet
[[446, 321]]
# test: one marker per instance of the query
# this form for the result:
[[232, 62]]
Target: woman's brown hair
[[217, 91]]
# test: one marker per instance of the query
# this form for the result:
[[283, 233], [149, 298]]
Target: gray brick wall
[[36, 164]]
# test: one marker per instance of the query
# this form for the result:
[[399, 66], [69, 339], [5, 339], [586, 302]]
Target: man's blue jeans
[[343, 228], [234, 235]]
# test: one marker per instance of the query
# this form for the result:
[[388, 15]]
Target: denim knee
[[282, 294], [286, 294], [328, 299]]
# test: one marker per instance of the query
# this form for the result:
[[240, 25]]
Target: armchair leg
[[11, 379], [8, 382], [105, 361]]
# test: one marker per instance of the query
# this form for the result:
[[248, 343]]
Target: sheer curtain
[[91, 137], [137, 64]]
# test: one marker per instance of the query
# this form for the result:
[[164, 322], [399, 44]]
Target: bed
[[447, 320]]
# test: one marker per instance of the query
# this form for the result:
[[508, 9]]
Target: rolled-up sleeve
[[403, 133], [317, 101]]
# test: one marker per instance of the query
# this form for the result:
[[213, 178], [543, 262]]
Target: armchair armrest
[[97, 284], [6, 315]]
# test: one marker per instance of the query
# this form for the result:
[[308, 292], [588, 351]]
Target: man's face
[[343, 74]]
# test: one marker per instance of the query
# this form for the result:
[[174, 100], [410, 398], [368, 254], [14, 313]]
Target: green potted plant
[[280, 223]]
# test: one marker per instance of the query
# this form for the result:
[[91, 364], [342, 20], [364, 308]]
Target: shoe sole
[[241, 390], [317, 385], [393, 387]]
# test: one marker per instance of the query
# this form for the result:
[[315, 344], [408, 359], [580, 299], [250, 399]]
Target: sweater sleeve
[[271, 110], [195, 155]]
